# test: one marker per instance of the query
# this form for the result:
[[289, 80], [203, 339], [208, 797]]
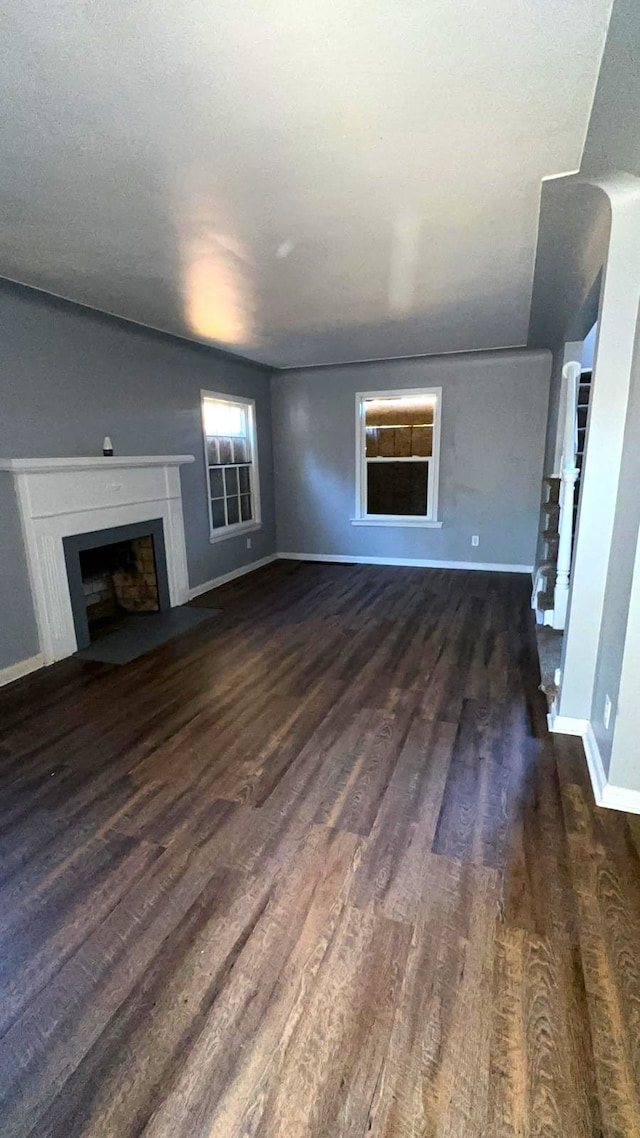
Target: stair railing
[[569, 473]]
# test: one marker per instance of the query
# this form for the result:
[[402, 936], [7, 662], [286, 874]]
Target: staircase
[[559, 510], [546, 572], [584, 395]]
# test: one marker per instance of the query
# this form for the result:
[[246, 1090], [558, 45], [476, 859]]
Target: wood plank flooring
[[315, 870]]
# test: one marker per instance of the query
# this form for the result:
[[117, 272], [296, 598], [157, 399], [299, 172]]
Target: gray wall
[[613, 144], [18, 635], [68, 377], [573, 238], [620, 574], [493, 424], [613, 137], [589, 347]]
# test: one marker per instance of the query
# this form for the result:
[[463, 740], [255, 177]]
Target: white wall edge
[[198, 590], [415, 562], [22, 668]]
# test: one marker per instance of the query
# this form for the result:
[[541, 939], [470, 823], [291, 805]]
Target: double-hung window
[[231, 458], [397, 457]]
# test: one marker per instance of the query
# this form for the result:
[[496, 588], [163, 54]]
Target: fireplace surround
[[60, 498]]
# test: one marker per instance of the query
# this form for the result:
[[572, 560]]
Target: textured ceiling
[[299, 182]]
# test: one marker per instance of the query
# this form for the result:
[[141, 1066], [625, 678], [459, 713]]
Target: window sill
[[406, 523], [233, 531]]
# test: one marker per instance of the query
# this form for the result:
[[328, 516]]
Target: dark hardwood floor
[[315, 869]]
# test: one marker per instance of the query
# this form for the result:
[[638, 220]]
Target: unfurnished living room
[[320, 569]]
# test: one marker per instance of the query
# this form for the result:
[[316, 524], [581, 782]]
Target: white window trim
[[255, 523], [408, 521]]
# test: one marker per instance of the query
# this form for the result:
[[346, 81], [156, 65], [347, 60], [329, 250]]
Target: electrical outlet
[[248, 543], [475, 540], [607, 712]]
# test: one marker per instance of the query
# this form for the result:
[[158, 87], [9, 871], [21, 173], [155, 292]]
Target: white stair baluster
[[569, 475]]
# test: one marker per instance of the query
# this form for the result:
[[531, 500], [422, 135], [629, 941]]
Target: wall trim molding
[[411, 562], [198, 590], [605, 793], [566, 724], [595, 765], [620, 798], [22, 668]]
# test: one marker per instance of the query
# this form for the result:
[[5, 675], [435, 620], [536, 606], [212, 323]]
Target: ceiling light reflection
[[218, 294]]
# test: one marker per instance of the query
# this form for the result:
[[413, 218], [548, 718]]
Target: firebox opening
[[119, 579]]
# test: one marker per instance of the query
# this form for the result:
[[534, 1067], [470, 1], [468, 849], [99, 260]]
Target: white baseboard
[[595, 764], [22, 668], [566, 724], [198, 590], [620, 798], [412, 562], [605, 793]]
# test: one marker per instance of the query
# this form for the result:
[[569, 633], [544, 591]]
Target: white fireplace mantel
[[58, 497], [90, 462]]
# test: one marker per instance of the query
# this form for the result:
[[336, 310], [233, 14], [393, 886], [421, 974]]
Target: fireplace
[[114, 573], [87, 499]]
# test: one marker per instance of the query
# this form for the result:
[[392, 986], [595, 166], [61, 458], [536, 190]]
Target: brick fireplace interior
[[117, 579], [115, 575]]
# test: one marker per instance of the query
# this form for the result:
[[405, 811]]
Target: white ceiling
[[299, 181]]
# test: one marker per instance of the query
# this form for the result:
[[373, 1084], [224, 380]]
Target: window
[[397, 457], [231, 458]]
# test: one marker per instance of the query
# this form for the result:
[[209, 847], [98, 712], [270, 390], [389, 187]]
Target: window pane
[[245, 507], [386, 443], [233, 510], [216, 483], [401, 442], [397, 488], [212, 451], [221, 418], [245, 479], [217, 513], [226, 452], [372, 443], [240, 450], [400, 411], [422, 441], [231, 480]]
